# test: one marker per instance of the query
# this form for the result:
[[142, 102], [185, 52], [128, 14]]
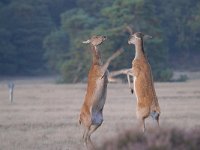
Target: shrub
[[164, 139]]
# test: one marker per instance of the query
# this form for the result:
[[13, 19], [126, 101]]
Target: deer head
[[95, 40], [138, 36]]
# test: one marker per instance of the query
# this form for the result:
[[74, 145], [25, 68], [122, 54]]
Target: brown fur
[[147, 101], [91, 116]]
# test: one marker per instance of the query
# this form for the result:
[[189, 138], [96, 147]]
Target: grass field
[[44, 115]]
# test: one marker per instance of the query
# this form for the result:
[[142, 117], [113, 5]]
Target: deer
[[143, 84], [91, 115]]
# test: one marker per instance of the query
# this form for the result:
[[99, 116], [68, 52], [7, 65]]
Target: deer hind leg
[[97, 119], [142, 124], [142, 113], [85, 135], [90, 144], [158, 122], [93, 128], [155, 115]]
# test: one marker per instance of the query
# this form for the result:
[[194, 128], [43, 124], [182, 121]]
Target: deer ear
[[147, 37], [86, 42]]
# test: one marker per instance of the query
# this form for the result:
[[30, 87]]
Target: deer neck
[[139, 50], [96, 57]]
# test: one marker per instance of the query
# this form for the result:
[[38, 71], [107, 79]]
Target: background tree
[[112, 20], [26, 23], [179, 20], [35, 34]]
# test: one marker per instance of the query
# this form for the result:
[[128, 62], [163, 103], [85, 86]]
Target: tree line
[[40, 36]]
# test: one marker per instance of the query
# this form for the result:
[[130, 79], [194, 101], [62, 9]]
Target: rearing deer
[[91, 115], [147, 102]]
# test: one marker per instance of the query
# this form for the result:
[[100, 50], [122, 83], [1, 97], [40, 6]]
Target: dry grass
[[44, 115], [155, 139]]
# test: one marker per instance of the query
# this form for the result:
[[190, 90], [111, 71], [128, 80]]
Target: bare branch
[[113, 56], [77, 72]]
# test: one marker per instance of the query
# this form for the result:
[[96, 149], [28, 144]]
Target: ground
[[44, 115]]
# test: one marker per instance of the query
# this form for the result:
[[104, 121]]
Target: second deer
[[143, 85]]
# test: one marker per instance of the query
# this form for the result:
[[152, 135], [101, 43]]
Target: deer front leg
[[129, 73]]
